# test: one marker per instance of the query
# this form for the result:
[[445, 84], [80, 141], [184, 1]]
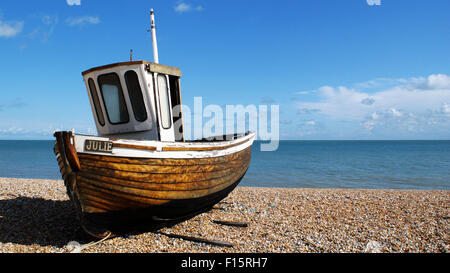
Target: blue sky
[[337, 69]]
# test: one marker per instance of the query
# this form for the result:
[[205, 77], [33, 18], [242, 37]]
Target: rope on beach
[[78, 249]]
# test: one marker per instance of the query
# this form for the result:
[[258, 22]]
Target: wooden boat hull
[[167, 184]]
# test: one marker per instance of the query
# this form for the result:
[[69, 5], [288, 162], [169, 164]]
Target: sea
[[423, 165]]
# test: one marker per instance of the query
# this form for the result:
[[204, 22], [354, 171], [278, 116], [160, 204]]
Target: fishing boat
[[140, 168]]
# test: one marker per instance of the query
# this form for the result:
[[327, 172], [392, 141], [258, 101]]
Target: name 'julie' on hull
[[140, 168]]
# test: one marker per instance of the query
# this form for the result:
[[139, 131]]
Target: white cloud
[[49, 19], [412, 104], [306, 111], [40, 130], [82, 20], [10, 29], [445, 109], [439, 81], [45, 31], [182, 7], [73, 2], [395, 112], [379, 83], [340, 102], [11, 130]]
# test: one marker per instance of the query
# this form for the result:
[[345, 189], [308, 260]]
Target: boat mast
[[155, 46]]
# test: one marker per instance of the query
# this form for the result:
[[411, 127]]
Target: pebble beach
[[36, 216]]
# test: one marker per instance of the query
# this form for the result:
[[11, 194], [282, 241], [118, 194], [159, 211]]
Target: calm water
[[312, 164]]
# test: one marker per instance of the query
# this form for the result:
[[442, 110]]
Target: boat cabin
[[136, 100]]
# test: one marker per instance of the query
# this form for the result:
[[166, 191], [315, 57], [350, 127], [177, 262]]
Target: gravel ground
[[37, 216]]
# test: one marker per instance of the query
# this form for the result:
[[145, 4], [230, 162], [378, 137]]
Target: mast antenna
[[155, 45]]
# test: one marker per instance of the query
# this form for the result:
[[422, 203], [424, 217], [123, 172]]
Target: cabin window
[[95, 100], [135, 94], [113, 98], [164, 102]]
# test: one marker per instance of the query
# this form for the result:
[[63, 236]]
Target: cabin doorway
[[177, 115], [164, 103], [167, 89]]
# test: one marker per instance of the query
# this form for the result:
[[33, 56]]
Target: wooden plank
[[132, 146], [106, 193], [165, 161], [212, 148], [152, 178], [71, 151], [197, 240], [110, 202], [157, 185], [162, 169], [169, 209], [93, 193], [127, 192], [231, 223], [158, 194]]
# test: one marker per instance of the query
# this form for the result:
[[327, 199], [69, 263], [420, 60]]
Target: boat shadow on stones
[[31, 221]]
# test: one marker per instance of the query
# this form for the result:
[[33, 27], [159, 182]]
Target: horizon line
[[281, 140]]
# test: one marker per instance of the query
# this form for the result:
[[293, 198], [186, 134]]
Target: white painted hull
[[168, 149]]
